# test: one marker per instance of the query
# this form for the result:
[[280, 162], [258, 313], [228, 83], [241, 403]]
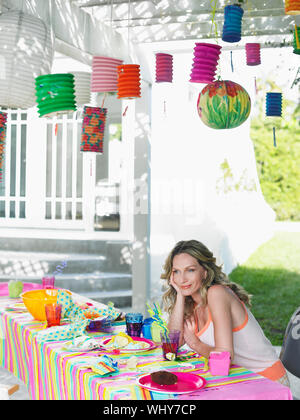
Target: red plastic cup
[[170, 344], [53, 314]]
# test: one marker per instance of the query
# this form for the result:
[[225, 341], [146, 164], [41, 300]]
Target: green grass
[[272, 276]]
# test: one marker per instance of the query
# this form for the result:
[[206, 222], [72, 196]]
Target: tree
[[278, 167]]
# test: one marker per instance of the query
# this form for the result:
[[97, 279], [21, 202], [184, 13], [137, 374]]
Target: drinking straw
[[156, 314]]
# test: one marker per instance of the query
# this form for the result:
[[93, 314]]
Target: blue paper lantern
[[232, 27], [274, 108], [273, 104]]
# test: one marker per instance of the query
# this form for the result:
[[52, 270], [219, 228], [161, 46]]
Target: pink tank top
[[252, 349]]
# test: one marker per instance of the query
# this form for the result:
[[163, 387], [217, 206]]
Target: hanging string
[[104, 97], [274, 137], [124, 113], [128, 29], [231, 62], [297, 79], [213, 4]]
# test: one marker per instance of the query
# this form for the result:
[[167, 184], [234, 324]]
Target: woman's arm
[[219, 306], [176, 317]]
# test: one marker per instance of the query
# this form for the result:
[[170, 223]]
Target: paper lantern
[[164, 68], [55, 94], [253, 54], [223, 104], [273, 104], [105, 74], [3, 119], [232, 27], [93, 127], [129, 81], [296, 43], [273, 108], [205, 62], [82, 80], [292, 7], [26, 51]]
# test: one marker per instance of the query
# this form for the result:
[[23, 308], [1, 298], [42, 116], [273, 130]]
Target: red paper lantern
[[129, 81]]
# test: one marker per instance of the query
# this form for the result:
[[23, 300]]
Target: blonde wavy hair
[[214, 276]]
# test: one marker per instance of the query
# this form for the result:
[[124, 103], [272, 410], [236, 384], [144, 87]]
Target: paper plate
[[150, 343], [68, 347], [187, 382]]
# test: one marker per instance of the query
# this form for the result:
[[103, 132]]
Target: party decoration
[[93, 127], [273, 108], [26, 51], [205, 62], [129, 81], [55, 94], [253, 54], [292, 7], [82, 80], [158, 322], [164, 68], [63, 332], [273, 104], [104, 365], [3, 119], [232, 27], [223, 104], [105, 74], [296, 43], [74, 311]]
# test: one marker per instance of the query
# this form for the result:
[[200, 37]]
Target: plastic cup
[[134, 323], [48, 282], [53, 314], [170, 344]]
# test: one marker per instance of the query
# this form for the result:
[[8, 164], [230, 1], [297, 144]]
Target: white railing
[[47, 182]]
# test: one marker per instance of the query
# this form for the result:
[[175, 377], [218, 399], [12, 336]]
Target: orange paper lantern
[[129, 81], [292, 7]]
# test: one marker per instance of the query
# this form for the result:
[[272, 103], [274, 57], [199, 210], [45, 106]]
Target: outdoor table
[[49, 372]]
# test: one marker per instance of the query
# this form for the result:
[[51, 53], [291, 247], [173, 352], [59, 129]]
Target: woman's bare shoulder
[[218, 293], [217, 290]]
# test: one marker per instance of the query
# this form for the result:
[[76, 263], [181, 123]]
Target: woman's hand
[[189, 335], [173, 284]]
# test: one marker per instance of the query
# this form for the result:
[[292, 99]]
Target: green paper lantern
[[55, 94], [223, 104], [296, 43]]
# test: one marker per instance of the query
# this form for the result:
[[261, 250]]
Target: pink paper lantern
[[253, 54], [164, 68], [205, 62], [104, 74]]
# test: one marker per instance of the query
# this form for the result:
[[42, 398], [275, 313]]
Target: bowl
[[35, 301]]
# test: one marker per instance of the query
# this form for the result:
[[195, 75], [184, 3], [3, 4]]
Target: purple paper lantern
[[164, 68], [253, 54], [205, 62]]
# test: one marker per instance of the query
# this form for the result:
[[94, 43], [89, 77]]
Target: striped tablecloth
[[52, 373]]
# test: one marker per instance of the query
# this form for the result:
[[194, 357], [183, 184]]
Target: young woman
[[211, 313]]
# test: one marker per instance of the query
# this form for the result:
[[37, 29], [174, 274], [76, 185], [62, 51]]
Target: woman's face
[[187, 274]]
